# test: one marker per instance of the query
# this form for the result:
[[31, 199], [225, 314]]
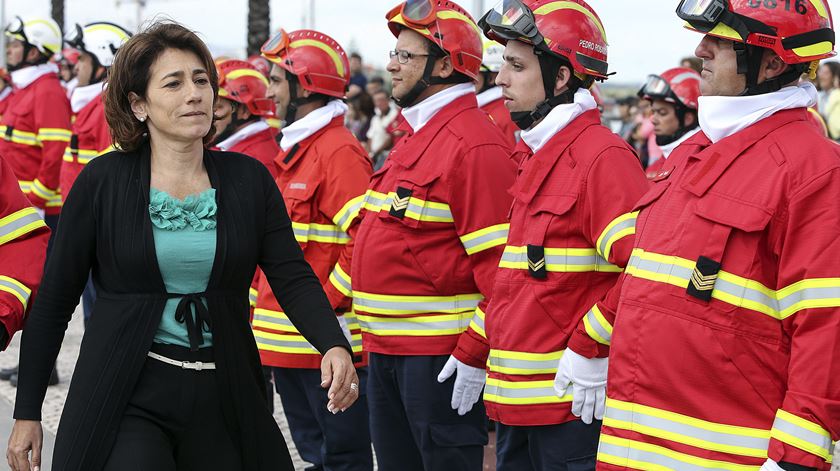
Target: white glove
[[346, 330], [771, 465], [468, 384], [588, 378]]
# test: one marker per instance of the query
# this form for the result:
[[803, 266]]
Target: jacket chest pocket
[[722, 239], [300, 202], [415, 199], [536, 223]]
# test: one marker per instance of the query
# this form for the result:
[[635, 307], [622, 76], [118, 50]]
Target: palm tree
[[58, 12], [258, 24]]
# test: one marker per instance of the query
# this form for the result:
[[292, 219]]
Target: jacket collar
[[417, 142], [242, 134], [488, 96], [24, 77], [558, 142], [717, 157], [419, 115], [287, 159], [82, 96]]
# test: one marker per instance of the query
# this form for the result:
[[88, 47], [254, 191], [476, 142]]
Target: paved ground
[[54, 401]]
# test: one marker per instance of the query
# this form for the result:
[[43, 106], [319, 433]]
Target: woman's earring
[[142, 119]]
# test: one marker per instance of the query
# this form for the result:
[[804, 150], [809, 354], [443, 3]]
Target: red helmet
[[569, 29], [799, 31], [445, 24], [260, 63], [70, 55], [679, 85], [317, 60], [241, 82]]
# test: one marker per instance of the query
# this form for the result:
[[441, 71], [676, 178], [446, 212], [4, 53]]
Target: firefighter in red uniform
[[95, 45], [323, 173], [489, 95], [23, 248], [36, 126], [568, 240], [241, 111], [673, 100], [432, 232], [724, 351]]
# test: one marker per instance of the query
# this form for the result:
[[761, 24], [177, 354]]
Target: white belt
[[187, 365]]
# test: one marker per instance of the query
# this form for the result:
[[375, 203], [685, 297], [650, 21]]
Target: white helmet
[[41, 33], [100, 39], [491, 60]]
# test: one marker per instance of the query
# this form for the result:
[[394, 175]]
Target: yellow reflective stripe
[[723, 31], [679, 428], [420, 326], [522, 392], [353, 325], [349, 212], [597, 326], [523, 363], [486, 238], [19, 223], [40, 190], [20, 137], [106, 27], [54, 134], [620, 227], [324, 233], [454, 15], [233, 75], [739, 291], [282, 343], [561, 260], [814, 49], [341, 281], [477, 323], [252, 296], [397, 304], [420, 210], [274, 320], [16, 289], [820, 6], [399, 19], [550, 7], [339, 66], [802, 434], [638, 455], [25, 186]]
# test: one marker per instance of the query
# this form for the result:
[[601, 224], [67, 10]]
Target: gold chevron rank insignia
[[400, 203], [703, 279], [536, 261]]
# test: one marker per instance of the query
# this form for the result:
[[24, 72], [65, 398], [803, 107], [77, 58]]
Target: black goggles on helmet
[[76, 38], [16, 28], [511, 20], [656, 87]]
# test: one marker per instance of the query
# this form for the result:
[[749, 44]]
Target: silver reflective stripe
[[494, 389], [526, 367], [558, 260], [651, 457], [817, 440], [373, 201], [808, 294], [309, 232], [17, 224], [337, 278], [286, 343], [420, 306], [407, 324], [759, 445], [595, 324], [350, 213], [252, 298], [478, 320], [607, 237], [377, 203], [18, 289], [273, 320], [489, 237]]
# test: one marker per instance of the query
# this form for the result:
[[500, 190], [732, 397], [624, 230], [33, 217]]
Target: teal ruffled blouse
[[185, 243]]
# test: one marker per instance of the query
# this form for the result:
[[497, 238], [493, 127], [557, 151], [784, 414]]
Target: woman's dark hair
[[131, 72]]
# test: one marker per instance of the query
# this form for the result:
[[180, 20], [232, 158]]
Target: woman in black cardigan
[[136, 403]]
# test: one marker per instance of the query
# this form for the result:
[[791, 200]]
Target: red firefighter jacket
[[432, 232], [726, 343], [23, 248], [323, 180], [35, 130], [501, 117], [90, 139], [568, 230]]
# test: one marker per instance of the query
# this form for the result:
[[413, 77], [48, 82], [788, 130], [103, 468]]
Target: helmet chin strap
[[749, 60], [294, 100], [549, 66], [410, 98]]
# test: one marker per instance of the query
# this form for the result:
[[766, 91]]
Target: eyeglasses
[[404, 56]]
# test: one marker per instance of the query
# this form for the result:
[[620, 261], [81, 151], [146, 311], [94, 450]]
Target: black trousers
[[564, 447], [173, 421]]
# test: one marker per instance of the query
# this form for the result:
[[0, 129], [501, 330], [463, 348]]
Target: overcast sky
[[645, 36]]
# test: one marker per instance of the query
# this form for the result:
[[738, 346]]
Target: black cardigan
[[105, 226]]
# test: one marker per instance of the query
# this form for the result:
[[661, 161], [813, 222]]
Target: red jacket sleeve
[[341, 198], [23, 245], [480, 203], [52, 119], [808, 287], [614, 184]]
